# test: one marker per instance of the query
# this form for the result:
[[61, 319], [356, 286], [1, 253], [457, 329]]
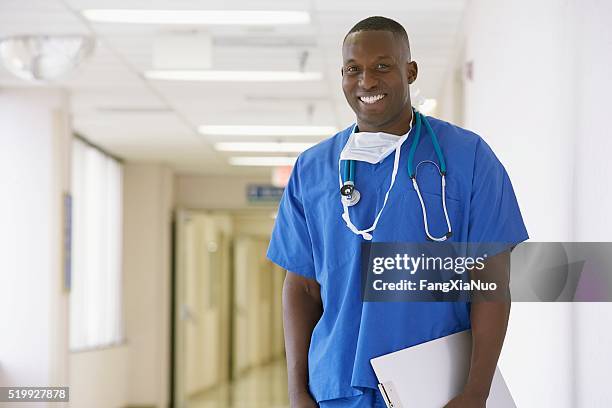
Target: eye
[[351, 69], [382, 67]]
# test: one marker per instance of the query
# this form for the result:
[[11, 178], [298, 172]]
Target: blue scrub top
[[311, 239]]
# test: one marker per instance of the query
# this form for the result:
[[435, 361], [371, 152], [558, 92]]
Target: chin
[[373, 121]]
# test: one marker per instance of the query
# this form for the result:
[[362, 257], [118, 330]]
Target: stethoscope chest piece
[[350, 195], [347, 189], [352, 199]]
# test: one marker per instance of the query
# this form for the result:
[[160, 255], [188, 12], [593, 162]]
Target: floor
[[264, 387]]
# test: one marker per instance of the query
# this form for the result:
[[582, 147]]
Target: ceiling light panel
[[233, 76], [258, 130], [268, 147], [270, 161], [198, 17]]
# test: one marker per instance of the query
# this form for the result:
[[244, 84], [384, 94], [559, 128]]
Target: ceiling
[[138, 119]]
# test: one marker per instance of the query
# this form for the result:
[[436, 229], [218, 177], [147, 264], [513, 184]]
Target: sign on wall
[[264, 193]]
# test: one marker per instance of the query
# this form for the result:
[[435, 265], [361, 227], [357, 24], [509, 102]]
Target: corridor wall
[[535, 88], [34, 176]]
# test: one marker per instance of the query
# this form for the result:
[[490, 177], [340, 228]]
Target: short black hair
[[379, 23]]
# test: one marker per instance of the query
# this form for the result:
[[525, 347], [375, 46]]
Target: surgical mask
[[372, 151], [370, 147]]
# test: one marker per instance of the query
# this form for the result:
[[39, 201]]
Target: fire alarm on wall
[[469, 70]]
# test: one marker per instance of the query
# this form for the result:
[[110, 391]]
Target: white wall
[[148, 195], [34, 174], [216, 192], [136, 373], [591, 121], [98, 378], [518, 100], [539, 97], [35, 145], [593, 191], [451, 103]]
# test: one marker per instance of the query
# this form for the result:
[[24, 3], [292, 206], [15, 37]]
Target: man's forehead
[[371, 36], [372, 44]]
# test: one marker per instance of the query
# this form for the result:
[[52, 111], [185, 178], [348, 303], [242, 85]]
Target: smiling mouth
[[368, 100]]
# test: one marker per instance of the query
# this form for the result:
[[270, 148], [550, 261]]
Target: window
[[95, 295]]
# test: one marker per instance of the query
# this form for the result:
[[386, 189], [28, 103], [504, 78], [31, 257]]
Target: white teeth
[[371, 99]]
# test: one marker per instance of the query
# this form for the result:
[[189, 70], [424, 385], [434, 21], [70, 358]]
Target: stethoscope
[[350, 195]]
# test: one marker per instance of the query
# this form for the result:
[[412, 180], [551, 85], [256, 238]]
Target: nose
[[368, 80]]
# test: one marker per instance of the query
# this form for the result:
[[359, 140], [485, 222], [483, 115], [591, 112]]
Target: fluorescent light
[[258, 130], [262, 147], [197, 17], [262, 161], [237, 76]]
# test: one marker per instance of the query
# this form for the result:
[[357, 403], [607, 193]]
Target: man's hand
[[303, 400], [465, 400]]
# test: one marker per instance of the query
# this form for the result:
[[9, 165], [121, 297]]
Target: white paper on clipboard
[[431, 374]]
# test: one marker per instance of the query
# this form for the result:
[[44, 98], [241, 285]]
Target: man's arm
[[489, 320], [302, 309]]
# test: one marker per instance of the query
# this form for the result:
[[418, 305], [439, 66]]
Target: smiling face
[[376, 73]]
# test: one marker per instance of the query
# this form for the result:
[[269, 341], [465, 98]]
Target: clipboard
[[431, 374]]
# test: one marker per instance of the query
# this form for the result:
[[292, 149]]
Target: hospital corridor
[[164, 164], [230, 313]]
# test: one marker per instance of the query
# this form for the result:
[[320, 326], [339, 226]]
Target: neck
[[399, 126]]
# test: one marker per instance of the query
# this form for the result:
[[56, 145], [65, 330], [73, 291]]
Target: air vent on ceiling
[[271, 98], [264, 41]]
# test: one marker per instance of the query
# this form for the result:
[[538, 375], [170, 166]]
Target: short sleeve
[[290, 246], [495, 216]]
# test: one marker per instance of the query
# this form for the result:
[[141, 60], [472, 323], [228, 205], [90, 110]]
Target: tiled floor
[[264, 387]]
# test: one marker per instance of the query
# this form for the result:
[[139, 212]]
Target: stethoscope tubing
[[349, 175], [424, 209]]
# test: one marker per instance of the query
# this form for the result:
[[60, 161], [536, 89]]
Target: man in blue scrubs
[[330, 333]]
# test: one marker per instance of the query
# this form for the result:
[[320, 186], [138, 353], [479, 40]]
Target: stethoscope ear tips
[[353, 198]]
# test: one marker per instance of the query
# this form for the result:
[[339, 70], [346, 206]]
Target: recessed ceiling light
[[262, 161], [270, 147], [274, 130], [198, 17], [237, 76]]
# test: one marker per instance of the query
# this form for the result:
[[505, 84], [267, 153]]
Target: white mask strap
[[345, 214]]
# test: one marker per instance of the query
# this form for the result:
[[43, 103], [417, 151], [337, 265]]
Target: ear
[[412, 71]]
